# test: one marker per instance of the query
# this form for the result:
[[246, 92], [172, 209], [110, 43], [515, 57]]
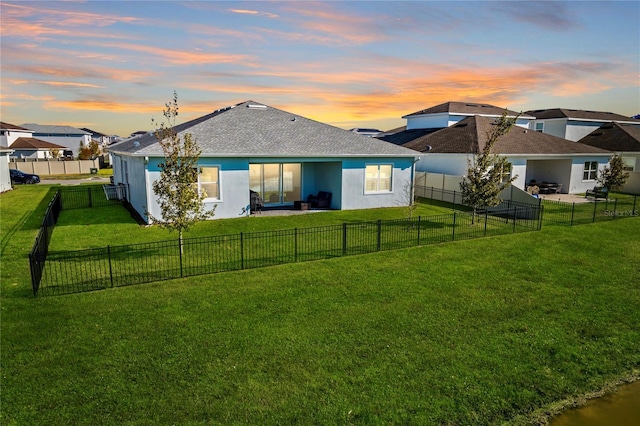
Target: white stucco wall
[[449, 164], [71, 142], [5, 178], [353, 184], [10, 136]]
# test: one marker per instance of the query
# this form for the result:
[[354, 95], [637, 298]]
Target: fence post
[[515, 217], [89, 192], [540, 215], [486, 218], [379, 235], [419, 228], [110, 269], [635, 197], [595, 206], [241, 250], [453, 234], [573, 208], [344, 239], [295, 244], [180, 245]]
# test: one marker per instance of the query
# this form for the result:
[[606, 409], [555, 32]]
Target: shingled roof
[[465, 108], [579, 114], [257, 130], [469, 136], [33, 143], [615, 137], [7, 126]]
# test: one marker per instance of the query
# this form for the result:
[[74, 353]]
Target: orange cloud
[[70, 84]]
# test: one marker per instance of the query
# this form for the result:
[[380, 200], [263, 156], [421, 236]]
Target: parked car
[[21, 177]]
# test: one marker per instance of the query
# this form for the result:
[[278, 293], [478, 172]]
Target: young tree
[[613, 177], [485, 174], [177, 188]]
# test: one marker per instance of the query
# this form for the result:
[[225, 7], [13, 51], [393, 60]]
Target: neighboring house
[[623, 139], [5, 178], [10, 132], [449, 113], [532, 156], [282, 156], [573, 124], [101, 139], [69, 137], [35, 148]]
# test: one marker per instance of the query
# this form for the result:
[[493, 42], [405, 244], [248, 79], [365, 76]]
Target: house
[[69, 137], [623, 139], [24, 145], [10, 132], [573, 124], [5, 178], [100, 138], [449, 113], [280, 155], [532, 156], [36, 149]]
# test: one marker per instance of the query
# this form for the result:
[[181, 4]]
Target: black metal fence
[[68, 198], [555, 212], [93, 269], [564, 213]]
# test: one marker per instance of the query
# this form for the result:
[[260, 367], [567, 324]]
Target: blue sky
[[112, 65]]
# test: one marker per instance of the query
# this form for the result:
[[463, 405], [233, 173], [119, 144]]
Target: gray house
[[282, 156]]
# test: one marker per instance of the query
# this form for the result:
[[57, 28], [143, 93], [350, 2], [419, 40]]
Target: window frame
[[590, 171], [541, 129], [378, 179], [505, 173], [208, 198]]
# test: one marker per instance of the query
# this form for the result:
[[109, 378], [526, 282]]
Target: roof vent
[[428, 148], [136, 144], [255, 106], [293, 118]]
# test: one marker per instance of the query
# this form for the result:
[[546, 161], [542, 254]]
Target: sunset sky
[[112, 65]]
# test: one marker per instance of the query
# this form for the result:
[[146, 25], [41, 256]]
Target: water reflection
[[621, 408]]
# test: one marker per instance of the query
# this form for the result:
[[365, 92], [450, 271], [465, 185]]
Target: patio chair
[[256, 202], [321, 201]]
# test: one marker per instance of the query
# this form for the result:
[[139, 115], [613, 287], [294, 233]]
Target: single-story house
[[69, 137], [573, 124], [35, 148], [532, 156], [5, 177], [282, 156]]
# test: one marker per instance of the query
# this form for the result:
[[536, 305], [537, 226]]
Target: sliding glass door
[[277, 183]]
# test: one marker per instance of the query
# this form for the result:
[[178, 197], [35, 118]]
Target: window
[[629, 164], [505, 174], [378, 178], [590, 170], [209, 181], [539, 127]]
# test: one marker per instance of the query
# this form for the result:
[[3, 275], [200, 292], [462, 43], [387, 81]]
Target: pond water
[[621, 408]]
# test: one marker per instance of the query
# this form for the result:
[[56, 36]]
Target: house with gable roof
[[24, 145], [532, 156], [573, 124], [5, 177], [282, 156], [69, 137], [624, 140]]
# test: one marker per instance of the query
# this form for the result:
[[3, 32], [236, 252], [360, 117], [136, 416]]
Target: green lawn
[[474, 332]]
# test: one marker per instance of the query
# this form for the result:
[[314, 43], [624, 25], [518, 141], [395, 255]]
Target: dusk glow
[[111, 65]]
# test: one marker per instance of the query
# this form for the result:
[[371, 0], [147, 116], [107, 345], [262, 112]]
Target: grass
[[474, 332]]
